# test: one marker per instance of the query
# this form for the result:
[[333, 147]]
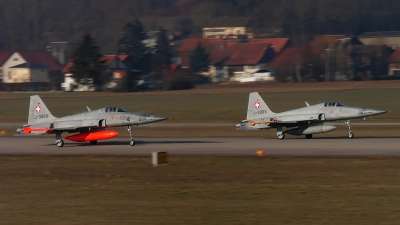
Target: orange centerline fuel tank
[[93, 136]]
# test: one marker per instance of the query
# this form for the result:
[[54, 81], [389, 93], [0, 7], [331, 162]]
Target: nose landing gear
[[59, 142], [351, 135], [132, 142]]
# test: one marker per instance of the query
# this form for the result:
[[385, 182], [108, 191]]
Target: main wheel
[[351, 135], [93, 142], [60, 143], [132, 143], [308, 136], [281, 136]]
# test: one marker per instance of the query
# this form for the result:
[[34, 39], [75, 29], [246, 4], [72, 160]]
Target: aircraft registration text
[[260, 112], [42, 116]]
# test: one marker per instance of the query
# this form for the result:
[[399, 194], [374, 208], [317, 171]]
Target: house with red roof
[[229, 57], [116, 65], [289, 60], [31, 66]]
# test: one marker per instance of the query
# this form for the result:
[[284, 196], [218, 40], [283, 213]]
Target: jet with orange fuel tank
[[91, 126]]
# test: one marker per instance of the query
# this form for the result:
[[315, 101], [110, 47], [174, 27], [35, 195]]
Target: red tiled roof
[[277, 43], [107, 59], [41, 57], [174, 67], [4, 56], [286, 58], [238, 53], [395, 57], [247, 53], [67, 67], [123, 57]]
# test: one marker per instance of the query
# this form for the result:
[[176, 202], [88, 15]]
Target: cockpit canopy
[[333, 104], [115, 109]]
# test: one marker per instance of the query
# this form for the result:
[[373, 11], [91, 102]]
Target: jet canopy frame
[[114, 109], [334, 104]]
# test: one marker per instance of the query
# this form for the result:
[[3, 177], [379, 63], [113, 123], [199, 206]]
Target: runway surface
[[207, 146]]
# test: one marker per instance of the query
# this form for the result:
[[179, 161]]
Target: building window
[[9, 75], [15, 59]]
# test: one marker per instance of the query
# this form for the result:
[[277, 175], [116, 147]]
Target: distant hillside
[[28, 24]]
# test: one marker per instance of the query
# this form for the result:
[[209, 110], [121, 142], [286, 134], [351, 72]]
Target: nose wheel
[[281, 136], [351, 135], [59, 142], [132, 142]]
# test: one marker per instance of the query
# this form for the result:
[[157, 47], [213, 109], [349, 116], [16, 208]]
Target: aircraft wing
[[298, 118], [76, 124], [70, 125], [287, 120]]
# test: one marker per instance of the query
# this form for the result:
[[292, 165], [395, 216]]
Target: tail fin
[[257, 107], [38, 111]]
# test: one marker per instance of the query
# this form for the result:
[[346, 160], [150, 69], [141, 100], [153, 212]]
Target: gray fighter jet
[[306, 121], [91, 125]]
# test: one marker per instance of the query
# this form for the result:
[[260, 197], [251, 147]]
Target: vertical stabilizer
[[38, 111], [257, 107]]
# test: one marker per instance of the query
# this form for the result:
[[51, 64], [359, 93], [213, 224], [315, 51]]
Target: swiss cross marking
[[257, 105], [37, 109]]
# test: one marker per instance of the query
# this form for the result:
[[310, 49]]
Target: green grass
[[201, 108], [199, 190]]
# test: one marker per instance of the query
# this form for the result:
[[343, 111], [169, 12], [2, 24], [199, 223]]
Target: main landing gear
[[279, 133], [308, 136], [59, 141], [93, 142], [351, 135], [132, 142]]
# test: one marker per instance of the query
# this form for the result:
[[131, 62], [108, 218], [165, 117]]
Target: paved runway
[[208, 146]]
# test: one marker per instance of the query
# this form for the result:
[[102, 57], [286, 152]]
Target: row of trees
[[142, 60], [65, 20]]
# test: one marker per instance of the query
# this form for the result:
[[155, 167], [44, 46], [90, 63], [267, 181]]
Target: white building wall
[[70, 84], [18, 75], [225, 32], [218, 74], [392, 42], [14, 60]]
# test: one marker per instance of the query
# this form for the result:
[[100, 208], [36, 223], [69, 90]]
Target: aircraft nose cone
[[372, 112], [377, 112], [158, 118]]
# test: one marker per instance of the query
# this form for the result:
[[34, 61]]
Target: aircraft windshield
[[333, 104], [115, 109]]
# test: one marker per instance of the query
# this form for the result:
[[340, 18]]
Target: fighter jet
[[306, 121], [90, 125]]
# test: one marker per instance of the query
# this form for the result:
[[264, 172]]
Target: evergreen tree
[[87, 65], [162, 51], [199, 59], [132, 43]]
